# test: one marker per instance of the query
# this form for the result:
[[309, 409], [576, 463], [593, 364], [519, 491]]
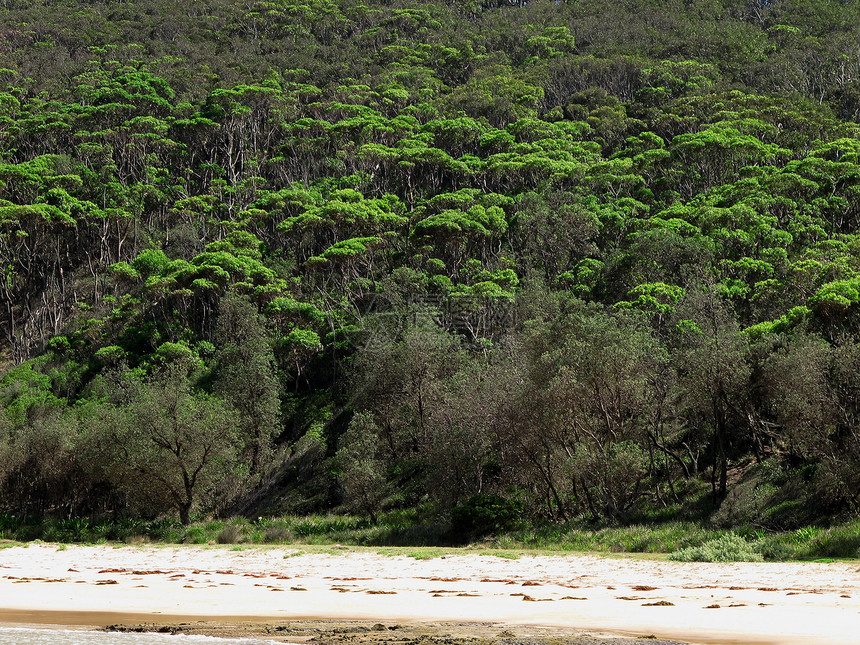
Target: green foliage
[[149, 262], [726, 548], [360, 470], [114, 355], [482, 515], [166, 447], [59, 345], [245, 376], [25, 393], [585, 275]]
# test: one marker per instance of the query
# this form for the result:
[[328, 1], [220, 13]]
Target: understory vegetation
[[571, 274], [398, 533]]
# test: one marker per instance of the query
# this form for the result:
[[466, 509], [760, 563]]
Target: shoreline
[[341, 597], [322, 631]]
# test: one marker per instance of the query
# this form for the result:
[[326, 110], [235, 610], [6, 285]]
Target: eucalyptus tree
[[583, 432], [714, 374], [10, 458], [361, 473], [245, 376], [164, 445]]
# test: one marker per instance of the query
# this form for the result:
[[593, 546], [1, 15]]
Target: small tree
[[10, 454], [361, 472], [580, 422], [246, 375], [168, 446]]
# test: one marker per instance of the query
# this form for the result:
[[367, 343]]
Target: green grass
[[726, 548], [639, 538], [417, 553], [841, 541], [293, 554], [508, 555], [402, 533]]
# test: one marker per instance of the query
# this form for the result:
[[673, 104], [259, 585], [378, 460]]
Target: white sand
[[807, 603]]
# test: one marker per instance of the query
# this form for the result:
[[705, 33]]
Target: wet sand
[[358, 596], [327, 632]]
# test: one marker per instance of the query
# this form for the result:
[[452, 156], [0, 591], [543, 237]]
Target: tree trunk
[[185, 513]]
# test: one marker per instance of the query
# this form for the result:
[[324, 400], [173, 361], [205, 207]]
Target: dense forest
[[576, 260]]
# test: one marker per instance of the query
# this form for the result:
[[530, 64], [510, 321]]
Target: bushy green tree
[[164, 445], [361, 472], [245, 376]]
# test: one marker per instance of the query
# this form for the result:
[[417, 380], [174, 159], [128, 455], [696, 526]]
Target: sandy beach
[[291, 596]]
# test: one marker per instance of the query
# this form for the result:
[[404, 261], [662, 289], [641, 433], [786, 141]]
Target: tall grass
[[640, 538], [414, 529]]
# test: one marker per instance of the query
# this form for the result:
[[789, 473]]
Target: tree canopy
[[591, 257]]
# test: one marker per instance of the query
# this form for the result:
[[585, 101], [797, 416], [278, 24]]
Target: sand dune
[[809, 603]]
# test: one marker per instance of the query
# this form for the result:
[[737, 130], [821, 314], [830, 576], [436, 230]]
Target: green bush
[[315, 525], [772, 548], [196, 535], [278, 535], [230, 534], [485, 514], [726, 548]]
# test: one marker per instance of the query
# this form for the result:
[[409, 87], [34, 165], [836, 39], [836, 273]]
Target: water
[[45, 636]]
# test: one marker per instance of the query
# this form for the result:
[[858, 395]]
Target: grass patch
[[416, 534], [638, 538], [840, 542], [416, 553], [726, 548], [293, 554], [508, 555], [429, 554]]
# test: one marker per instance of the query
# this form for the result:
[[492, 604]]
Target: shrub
[[228, 535], [59, 345], [110, 355], [278, 535], [195, 535], [485, 514], [772, 548], [726, 548]]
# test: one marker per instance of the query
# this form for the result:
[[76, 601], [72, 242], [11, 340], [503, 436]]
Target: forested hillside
[[593, 259]]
